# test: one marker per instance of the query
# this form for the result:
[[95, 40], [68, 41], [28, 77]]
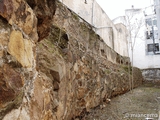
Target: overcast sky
[[115, 8]]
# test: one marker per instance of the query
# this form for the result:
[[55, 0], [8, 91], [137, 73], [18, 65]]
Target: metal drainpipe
[[153, 40], [93, 12]]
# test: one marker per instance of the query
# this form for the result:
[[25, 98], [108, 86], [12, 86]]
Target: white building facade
[[144, 39], [157, 12]]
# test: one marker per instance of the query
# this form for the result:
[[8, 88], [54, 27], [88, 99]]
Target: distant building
[[152, 41], [144, 28], [157, 13]]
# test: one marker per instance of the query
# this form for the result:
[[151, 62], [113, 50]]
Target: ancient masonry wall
[[52, 64], [151, 74], [114, 36]]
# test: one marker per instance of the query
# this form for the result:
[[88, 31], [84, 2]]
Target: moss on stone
[[107, 71], [126, 68], [75, 16]]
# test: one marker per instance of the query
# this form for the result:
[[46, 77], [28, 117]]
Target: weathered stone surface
[[70, 67], [20, 16], [151, 74], [11, 82], [44, 10], [13, 75], [85, 83], [43, 99], [11, 85], [4, 38], [136, 75], [21, 49], [15, 114]]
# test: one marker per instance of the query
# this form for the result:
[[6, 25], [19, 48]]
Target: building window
[[153, 47], [151, 27], [149, 35]]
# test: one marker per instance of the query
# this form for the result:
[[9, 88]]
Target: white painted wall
[[122, 41], [94, 15], [157, 8], [141, 58]]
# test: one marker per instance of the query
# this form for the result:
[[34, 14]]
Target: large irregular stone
[[19, 14], [11, 84], [21, 49], [70, 69], [41, 106], [44, 10], [43, 100], [17, 114], [4, 38]]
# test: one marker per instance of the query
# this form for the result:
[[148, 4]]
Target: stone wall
[[54, 67], [151, 74], [104, 27]]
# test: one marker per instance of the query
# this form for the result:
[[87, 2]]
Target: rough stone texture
[[81, 81], [83, 30], [17, 52], [71, 70], [44, 10], [11, 85], [151, 74], [12, 76], [137, 76], [21, 49], [20, 16], [43, 101]]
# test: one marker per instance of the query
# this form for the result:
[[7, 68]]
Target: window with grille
[[153, 47]]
